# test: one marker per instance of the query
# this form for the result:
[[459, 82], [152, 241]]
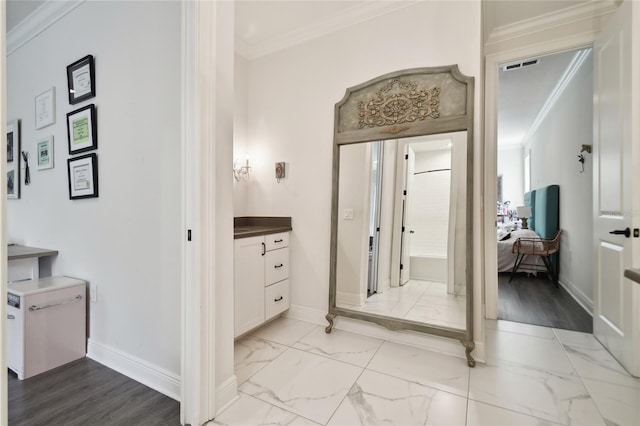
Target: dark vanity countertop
[[255, 226], [633, 274], [17, 251]]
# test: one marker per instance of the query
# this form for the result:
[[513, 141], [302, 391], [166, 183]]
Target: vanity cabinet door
[[248, 284]]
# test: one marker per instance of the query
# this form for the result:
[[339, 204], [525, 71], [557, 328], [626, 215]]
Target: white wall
[[353, 234], [554, 149], [511, 168], [240, 128], [430, 204], [292, 94], [127, 241]]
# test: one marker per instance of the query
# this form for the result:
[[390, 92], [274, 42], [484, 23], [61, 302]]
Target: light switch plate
[[347, 214]]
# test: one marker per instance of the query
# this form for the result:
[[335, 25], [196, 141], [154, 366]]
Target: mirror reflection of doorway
[[411, 215]]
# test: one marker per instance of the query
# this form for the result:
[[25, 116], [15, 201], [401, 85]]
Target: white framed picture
[[44, 153], [46, 108]]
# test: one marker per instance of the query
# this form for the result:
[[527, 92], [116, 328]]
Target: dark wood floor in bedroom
[[85, 392], [536, 300]]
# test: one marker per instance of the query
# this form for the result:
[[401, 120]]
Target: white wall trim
[[302, 313], [351, 16], [351, 299], [226, 394], [492, 63], [418, 340], [567, 16], [579, 296], [38, 21], [135, 368]]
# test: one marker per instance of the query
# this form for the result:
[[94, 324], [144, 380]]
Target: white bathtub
[[429, 268]]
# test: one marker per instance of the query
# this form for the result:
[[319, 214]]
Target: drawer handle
[[34, 308], [278, 241], [9, 316], [278, 266], [278, 299]]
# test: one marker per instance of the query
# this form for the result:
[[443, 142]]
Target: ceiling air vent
[[518, 65]]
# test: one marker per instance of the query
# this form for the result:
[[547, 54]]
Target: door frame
[[492, 63]]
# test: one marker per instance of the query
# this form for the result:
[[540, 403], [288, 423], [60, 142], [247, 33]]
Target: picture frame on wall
[[82, 130], [81, 80], [83, 176], [44, 153], [45, 108], [13, 159]]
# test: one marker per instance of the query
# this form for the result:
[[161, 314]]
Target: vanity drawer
[[276, 299], [276, 241], [276, 266]]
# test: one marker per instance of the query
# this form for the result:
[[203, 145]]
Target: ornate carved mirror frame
[[413, 102]]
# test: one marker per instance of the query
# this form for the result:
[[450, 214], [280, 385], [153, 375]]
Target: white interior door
[[615, 127], [405, 261]]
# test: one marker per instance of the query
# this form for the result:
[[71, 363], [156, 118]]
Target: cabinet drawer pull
[[278, 299], [278, 241], [264, 248], [278, 266], [9, 316]]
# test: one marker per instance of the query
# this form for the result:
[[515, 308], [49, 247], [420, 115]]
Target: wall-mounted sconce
[[280, 171], [583, 148], [241, 171], [524, 213]]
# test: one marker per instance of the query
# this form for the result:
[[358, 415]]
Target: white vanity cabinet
[[261, 279]]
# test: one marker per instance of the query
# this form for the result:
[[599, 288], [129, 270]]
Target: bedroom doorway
[[544, 118]]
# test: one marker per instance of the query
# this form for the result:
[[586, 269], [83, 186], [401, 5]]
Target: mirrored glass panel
[[401, 238]]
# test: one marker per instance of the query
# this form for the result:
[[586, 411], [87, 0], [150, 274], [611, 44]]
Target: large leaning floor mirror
[[402, 203]]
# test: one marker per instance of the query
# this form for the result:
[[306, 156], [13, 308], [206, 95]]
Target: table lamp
[[524, 212]]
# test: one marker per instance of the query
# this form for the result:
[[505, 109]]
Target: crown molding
[[38, 21], [567, 16], [353, 15], [572, 69]]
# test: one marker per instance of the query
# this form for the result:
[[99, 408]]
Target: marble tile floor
[[292, 373], [423, 301]]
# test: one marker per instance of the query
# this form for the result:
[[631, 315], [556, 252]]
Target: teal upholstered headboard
[[545, 206], [547, 211]]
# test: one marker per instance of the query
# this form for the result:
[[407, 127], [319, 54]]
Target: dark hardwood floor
[[536, 300], [85, 392]]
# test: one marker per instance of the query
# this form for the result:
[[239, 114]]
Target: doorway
[[544, 122]]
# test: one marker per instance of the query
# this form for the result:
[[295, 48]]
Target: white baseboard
[[411, 338], [302, 313], [137, 369], [579, 296], [226, 394], [351, 299]]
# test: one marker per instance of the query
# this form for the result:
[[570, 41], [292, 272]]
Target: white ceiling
[[523, 92], [17, 10]]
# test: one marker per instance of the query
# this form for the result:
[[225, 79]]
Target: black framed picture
[[82, 129], [81, 80], [13, 159], [83, 176]]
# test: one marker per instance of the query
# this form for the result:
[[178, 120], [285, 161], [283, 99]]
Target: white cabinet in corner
[[261, 280]]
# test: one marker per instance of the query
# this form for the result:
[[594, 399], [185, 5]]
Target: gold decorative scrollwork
[[400, 101]]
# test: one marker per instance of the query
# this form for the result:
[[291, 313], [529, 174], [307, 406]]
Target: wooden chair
[[543, 247]]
